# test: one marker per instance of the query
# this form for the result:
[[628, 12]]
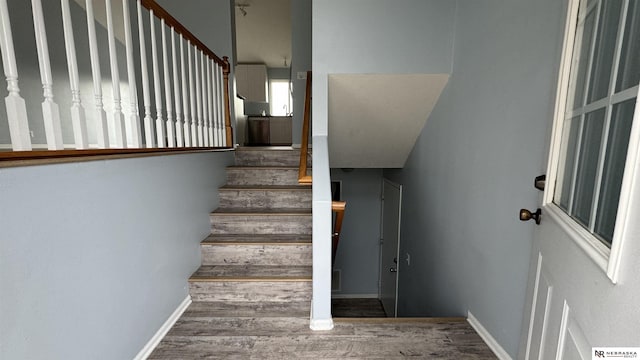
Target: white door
[[389, 246], [584, 282]]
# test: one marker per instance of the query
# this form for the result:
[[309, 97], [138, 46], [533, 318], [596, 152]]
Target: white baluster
[[205, 103], [209, 132], [196, 59], [134, 116], [176, 91], [16, 107], [102, 132], [221, 128], [50, 110], [214, 85], [171, 137], [160, 134], [148, 120], [192, 94], [78, 116], [118, 116], [185, 95]]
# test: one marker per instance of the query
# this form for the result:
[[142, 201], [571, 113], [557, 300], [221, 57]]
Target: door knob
[[393, 270], [526, 215]]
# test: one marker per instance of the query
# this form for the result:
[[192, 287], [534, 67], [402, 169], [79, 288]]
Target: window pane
[[588, 165], [629, 68], [582, 49], [280, 98], [570, 140], [615, 158], [604, 49]]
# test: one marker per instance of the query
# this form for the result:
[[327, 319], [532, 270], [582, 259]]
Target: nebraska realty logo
[[615, 353]]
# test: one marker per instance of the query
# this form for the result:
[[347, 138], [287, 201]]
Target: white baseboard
[[486, 336], [354, 296], [164, 329], [321, 324]]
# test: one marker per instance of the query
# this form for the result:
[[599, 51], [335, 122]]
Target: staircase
[[259, 252], [256, 263]]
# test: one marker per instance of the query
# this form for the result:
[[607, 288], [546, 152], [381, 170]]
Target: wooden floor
[[212, 331], [357, 308]]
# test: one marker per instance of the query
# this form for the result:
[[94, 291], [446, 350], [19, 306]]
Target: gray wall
[[378, 36], [473, 167], [95, 256], [300, 60], [359, 248]]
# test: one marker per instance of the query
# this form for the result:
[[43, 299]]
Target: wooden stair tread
[[259, 211], [266, 187], [247, 309], [257, 239], [252, 273]]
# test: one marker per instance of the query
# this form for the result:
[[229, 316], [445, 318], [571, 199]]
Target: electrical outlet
[[408, 259]]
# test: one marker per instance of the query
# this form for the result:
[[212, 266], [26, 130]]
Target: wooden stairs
[[252, 294]]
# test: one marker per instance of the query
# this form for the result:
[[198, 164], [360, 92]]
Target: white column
[[176, 91], [148, 120], [102, 132], [50, 110], [171, 138], [192, 95], [118, 116], [198, 94], [78, 116], [160, 134], [134, 136], [185, 94], [16, 107]]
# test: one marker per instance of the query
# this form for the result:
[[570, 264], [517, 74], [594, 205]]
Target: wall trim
[[321, 324], [354, 296], [486, 336], [163, 330]]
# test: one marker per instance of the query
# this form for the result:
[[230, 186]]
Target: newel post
[[227, 106]]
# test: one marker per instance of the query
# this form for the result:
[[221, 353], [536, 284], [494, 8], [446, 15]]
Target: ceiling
[[375, 119], [263, 35]]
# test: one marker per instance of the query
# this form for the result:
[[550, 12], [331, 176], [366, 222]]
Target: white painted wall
[[359, 248], [300, 60], [95, 256], [378, 36], [473, 166]]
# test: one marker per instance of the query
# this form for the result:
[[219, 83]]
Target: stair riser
[[269, 158], [256, 254], [248, 176], [272, 291], [266, 199], [260, 224]]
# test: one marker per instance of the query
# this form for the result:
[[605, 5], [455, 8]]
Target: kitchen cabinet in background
[[252, 82]]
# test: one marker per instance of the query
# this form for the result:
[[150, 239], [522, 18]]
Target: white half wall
[[95, 256]]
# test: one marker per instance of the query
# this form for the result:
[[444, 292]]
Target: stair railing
[[338, 208], [187, 81], [303, 177]]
